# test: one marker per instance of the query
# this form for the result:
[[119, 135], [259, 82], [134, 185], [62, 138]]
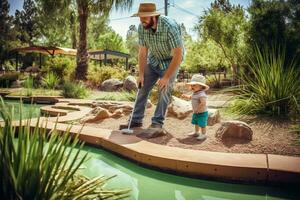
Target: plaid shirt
[[160, 43]]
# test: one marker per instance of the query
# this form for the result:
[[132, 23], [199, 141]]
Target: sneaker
[[201, 137], [155, 126], [193, 134], [132, 125]]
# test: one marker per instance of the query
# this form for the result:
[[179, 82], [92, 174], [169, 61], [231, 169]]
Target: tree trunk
[[82, 54]]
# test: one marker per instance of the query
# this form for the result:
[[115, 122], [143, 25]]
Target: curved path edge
[[265, 168]]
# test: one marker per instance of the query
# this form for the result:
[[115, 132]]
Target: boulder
[[213, 117], [234, 129], [96, 114], [130, 84], [117, 113], [111, 85], [179, 108], [17, 84]]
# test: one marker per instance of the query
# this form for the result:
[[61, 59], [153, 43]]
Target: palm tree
[[84, 9]]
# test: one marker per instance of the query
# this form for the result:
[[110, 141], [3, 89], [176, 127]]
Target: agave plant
[[272, 86], [45, 166]]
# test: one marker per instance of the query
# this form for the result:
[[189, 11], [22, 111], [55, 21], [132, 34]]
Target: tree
[[26, 22], [85, 9], [5, 30], [132, 44], [112, 41], [204, 54], [226, 25], [275, 23]]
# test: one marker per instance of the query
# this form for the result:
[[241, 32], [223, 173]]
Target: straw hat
[[198, 79], [146, 10]]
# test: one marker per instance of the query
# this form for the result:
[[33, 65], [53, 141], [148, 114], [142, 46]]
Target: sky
[[183, 11]]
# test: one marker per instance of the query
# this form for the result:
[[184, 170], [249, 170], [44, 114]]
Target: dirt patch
[[269, 136]]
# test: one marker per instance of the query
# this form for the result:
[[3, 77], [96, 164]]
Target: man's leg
[[164, 98], [150, 78]]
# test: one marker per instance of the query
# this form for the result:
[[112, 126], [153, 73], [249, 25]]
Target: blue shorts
[[200, 119]]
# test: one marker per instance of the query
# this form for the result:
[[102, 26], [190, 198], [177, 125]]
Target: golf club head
[[127, 131]]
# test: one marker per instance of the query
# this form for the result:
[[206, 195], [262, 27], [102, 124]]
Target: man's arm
[[175, 62], [143, 52]]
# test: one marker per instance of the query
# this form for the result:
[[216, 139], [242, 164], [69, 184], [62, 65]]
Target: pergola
[[104, 55], [101, 55]]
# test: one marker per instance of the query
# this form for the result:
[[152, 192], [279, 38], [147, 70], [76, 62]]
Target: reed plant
[[40, 165], [271, 86]]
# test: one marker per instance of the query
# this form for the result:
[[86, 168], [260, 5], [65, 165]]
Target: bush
[[74, 90], [7, 79], [96, 75], [41, 166], [50, 81], [62, 67], [29, 85], [272, 87]]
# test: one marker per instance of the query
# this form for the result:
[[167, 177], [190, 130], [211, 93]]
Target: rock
[[17, 84], [111, 85], [130, 84], [179, 108], [118, 113], [32, 69], [97, 114], [234, 129], [213, 117]]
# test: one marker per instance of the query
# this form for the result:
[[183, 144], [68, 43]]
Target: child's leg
[[203, 130], [202, 136], [196, 129], [196, 132]]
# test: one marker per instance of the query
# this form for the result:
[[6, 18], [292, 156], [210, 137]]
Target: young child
[[198, 98]]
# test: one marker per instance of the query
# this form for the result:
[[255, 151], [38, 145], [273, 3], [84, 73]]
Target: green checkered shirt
[[160, 43]]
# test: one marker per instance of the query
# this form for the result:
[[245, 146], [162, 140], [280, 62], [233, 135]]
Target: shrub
[[96, 75], [7, 79], [37, 166], [50, 81], [62, 67], [74, 90], [272, 87]]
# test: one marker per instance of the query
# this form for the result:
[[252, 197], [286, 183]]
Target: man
[[160, 54]]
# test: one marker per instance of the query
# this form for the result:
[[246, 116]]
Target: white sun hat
[[198, 79]]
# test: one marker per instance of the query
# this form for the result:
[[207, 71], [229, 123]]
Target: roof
[[94, 54], [47, 50]]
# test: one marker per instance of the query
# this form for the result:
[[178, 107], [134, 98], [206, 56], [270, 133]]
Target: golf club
[[127, 130]]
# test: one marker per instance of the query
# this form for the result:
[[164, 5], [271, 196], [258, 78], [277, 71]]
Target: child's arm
[[202, 105], [186, 96]]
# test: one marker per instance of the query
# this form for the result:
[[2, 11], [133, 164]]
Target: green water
[[147, 184], [28, 110]]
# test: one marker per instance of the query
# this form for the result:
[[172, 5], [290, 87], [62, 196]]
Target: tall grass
[[41, 166], [50, 81], [29, 85], [74, 90], [271, 87]]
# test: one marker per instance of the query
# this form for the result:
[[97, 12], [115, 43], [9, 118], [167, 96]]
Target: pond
[[28, 110], [147, 184]]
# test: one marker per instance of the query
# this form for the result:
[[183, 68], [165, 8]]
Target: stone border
[[226, 166]]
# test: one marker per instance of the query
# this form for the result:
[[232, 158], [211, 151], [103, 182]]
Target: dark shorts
[[200, 119]]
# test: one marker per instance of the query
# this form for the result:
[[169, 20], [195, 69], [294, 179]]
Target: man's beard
[[149, 25]]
